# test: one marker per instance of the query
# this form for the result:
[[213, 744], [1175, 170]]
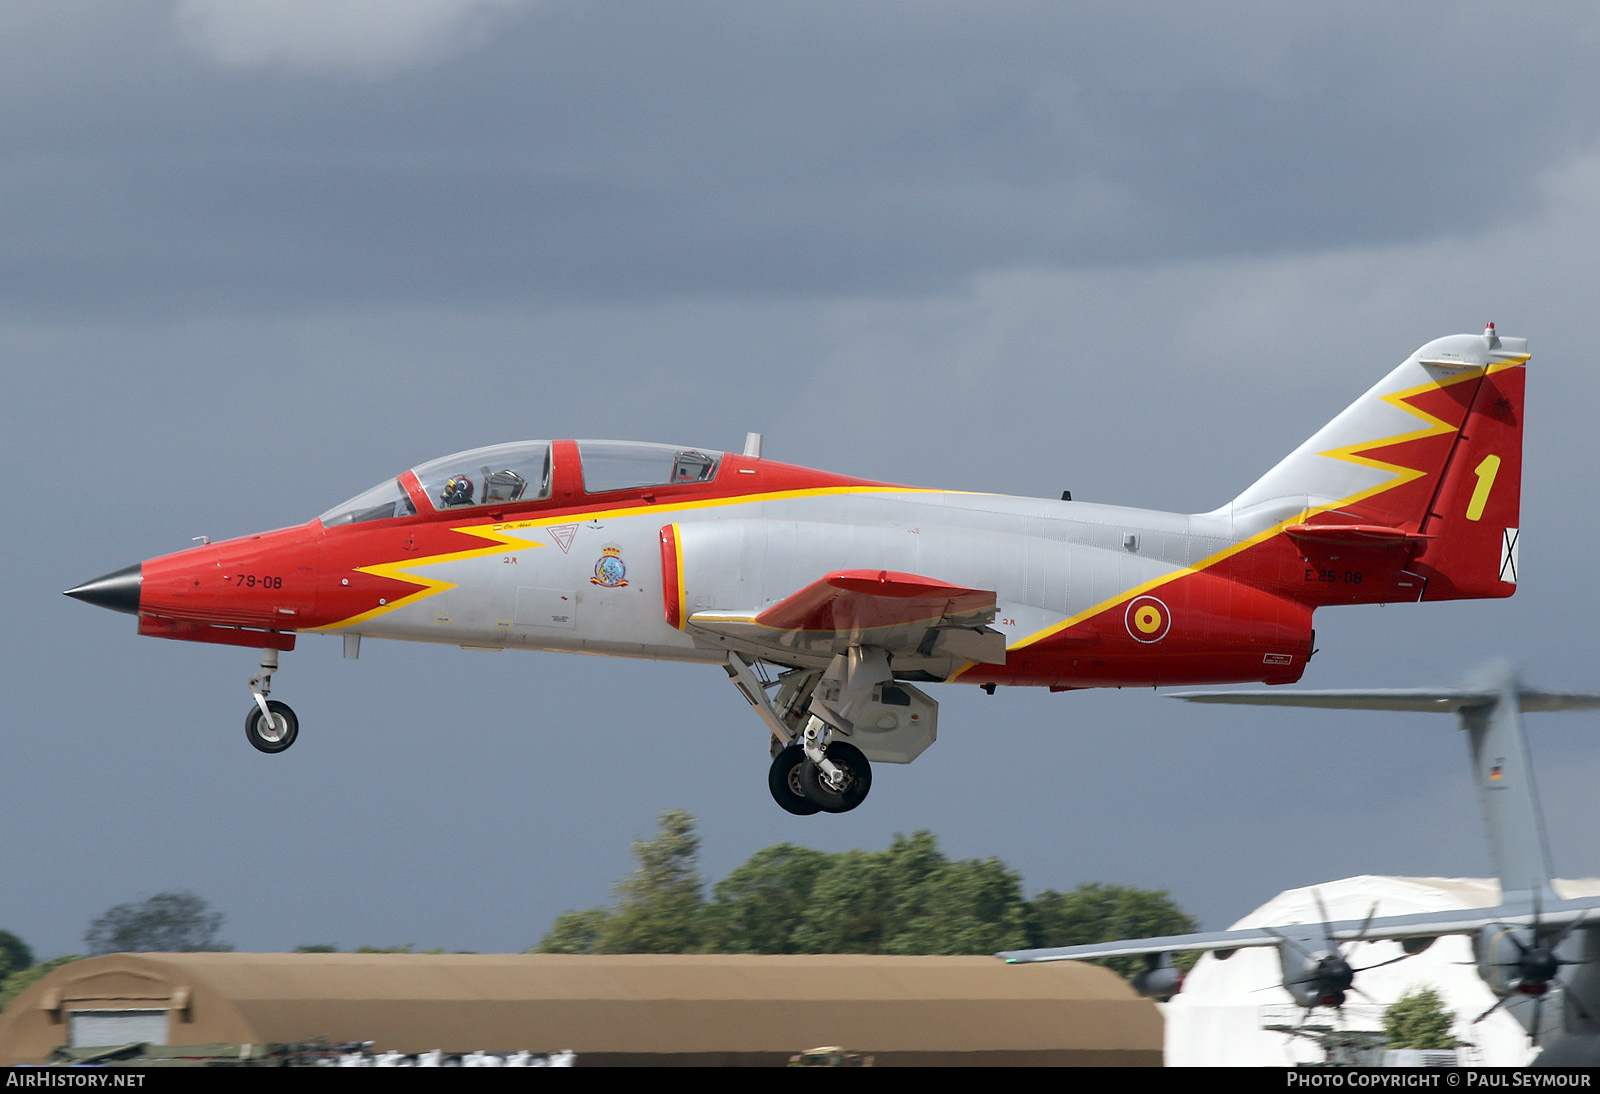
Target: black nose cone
[[118, 591]]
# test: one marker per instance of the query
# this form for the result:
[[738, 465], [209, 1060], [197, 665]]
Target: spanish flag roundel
[[1148, 619]]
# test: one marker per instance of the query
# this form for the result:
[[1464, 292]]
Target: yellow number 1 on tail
[[1486, 471]]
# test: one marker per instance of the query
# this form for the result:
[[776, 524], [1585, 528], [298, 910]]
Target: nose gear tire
[[274, 736]]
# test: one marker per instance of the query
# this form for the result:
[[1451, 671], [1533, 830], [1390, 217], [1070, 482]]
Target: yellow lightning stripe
[[1402, 475], [401, 569]]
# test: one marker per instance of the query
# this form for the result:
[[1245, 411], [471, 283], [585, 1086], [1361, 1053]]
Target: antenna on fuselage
[[752, 445]]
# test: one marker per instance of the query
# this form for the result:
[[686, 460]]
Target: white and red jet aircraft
[[827, 598]]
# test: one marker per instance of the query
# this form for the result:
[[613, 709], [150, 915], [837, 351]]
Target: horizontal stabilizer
[[1353, 535]]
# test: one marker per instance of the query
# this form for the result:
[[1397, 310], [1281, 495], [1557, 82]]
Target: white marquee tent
[[1218, 1017]]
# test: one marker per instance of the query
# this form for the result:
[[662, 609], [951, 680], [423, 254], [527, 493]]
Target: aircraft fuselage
[[563, 575]]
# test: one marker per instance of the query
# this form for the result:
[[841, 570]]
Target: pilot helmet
[[458, 490]]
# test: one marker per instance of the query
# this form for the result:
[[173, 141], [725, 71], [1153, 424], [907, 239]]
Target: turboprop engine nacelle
[[1314, 974], [1513, 961], [1160, 978]]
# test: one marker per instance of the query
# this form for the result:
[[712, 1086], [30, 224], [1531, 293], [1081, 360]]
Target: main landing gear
[[825, 724], [814, 770], [270, 726], [802, 787]]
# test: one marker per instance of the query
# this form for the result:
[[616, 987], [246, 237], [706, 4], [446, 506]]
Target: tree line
[[907, 899]]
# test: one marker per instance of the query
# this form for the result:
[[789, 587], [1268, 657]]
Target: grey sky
[[258, 256]]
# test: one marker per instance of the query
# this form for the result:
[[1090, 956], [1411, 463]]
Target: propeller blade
[[1394, 960], [1498, 1003], [1322, 910]]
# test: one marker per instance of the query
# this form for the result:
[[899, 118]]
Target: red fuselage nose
[[267, 581]]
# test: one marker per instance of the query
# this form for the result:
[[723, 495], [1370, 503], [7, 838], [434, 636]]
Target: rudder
[[1474, 520]]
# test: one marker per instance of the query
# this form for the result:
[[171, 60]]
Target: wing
[[1441, 700], [1421, 925], [901, 613]]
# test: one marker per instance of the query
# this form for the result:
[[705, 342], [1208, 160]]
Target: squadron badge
[[609, 570]]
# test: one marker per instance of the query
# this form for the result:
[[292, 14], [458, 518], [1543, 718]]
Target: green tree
[[906, 899], [573, 932], [1419, 1019], [852, 908], [1104, 913], [659, 904], [910, 899], [14, 955], [756, 907], [23, 979], [968, 906], [166, 923]]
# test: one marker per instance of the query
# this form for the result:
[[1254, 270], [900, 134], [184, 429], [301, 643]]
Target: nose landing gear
[[274, 731], [270, 726]]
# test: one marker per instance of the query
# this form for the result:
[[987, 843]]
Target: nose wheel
[[270, 726], [273, 731]]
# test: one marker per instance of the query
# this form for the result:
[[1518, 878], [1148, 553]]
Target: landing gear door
[[895, 725]]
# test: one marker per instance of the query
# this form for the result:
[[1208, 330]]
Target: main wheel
[[856, 780], [784, 780], [273, 736]]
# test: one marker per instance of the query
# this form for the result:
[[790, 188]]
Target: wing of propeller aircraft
[[1536, 951], [828, 599]]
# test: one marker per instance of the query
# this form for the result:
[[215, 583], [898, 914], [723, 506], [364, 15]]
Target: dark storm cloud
[[680, 222], [596, 152]]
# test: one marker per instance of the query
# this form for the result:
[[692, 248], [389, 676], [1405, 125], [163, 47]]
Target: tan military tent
[[624, 1009]]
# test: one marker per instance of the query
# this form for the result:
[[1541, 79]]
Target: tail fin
[[1505, 787], [1426, 467], [1490, 705]]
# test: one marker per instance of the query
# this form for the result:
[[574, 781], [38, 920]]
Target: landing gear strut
[[826, 723], [842, 789], [270, 726]]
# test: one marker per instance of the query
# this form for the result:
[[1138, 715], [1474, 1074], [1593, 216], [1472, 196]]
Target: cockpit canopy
[[510, 474], [631, 465], [501, 473]]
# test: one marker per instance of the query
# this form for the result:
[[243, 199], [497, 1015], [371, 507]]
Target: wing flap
[[898, 612], [864, 600]]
